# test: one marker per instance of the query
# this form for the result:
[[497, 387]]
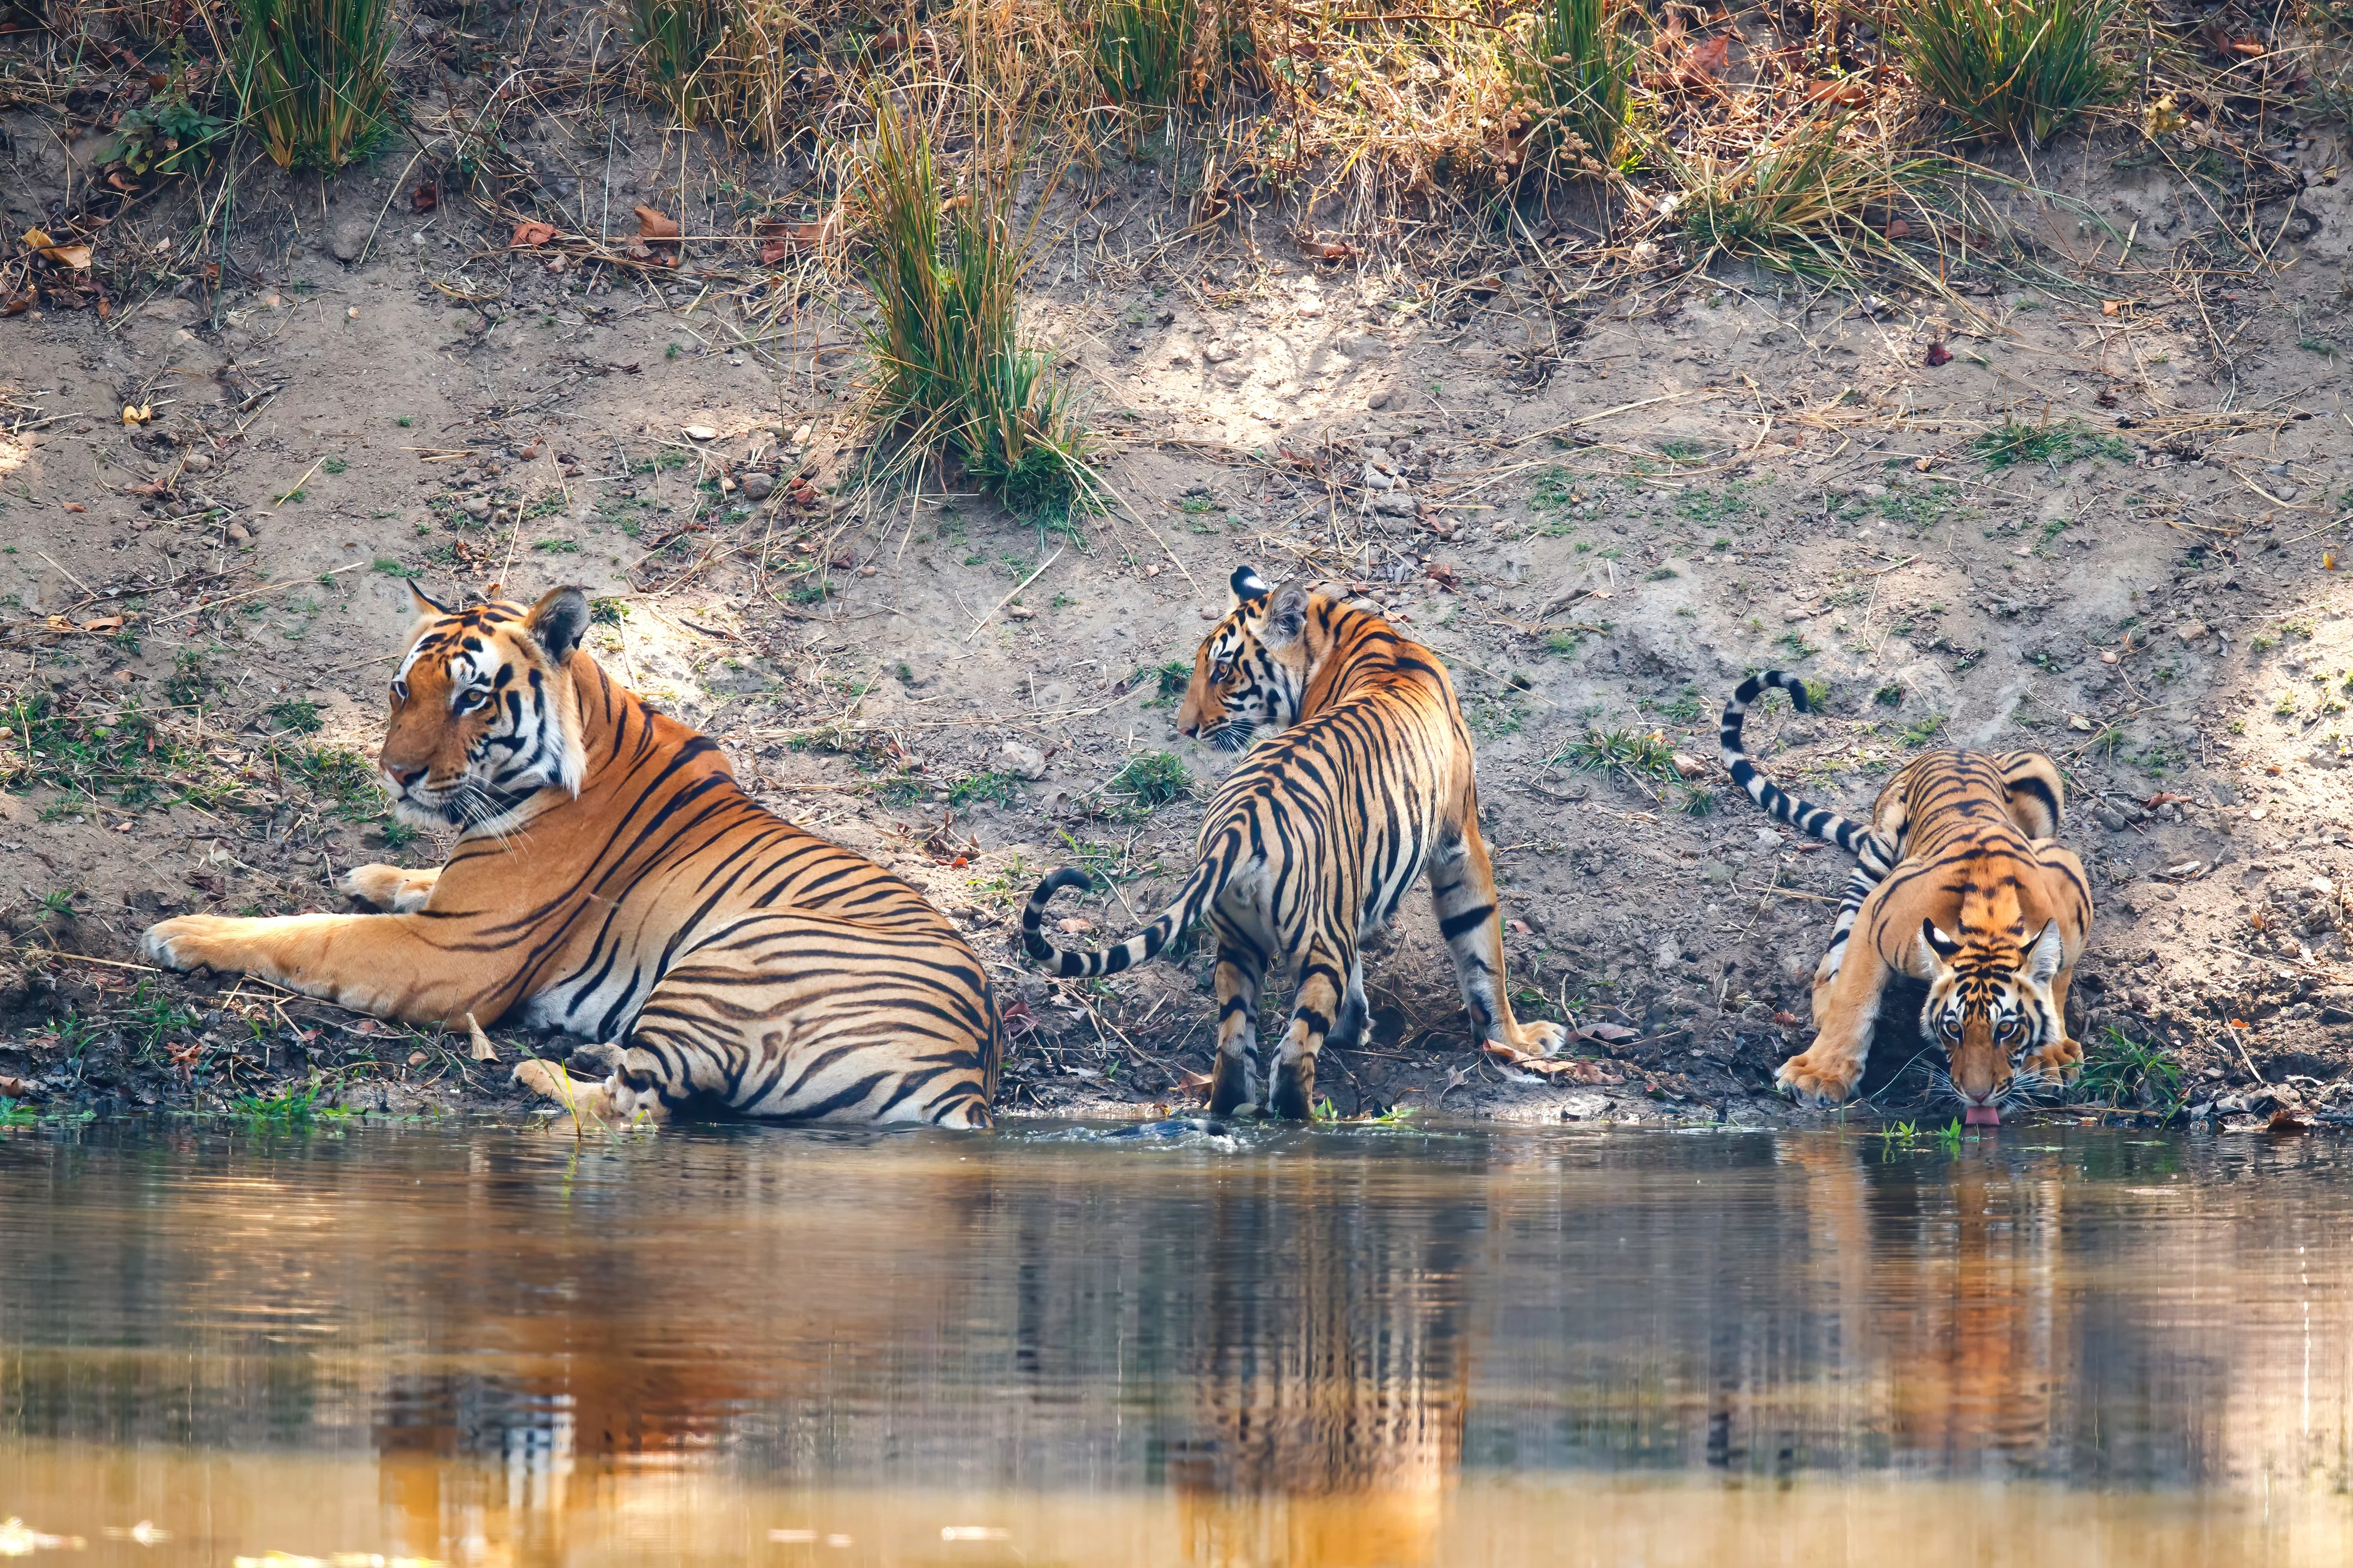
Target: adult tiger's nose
[[402, 777]]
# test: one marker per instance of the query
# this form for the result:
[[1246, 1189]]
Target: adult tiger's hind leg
[[1241, 969], [389, 888], [1463, 890], [796, 1016], [1322, 997]]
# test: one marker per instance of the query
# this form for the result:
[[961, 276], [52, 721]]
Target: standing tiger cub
[[1310, 845], [612, 880], [1960, 884]]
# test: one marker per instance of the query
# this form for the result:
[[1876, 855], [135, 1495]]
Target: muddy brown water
[[1419, 1346]]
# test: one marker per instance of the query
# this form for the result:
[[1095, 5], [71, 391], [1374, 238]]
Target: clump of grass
[[1575, 74], [1140, 52], [2015, 68], [1805, 200], [677, 41], [313, 78], [2118, 1069], [1151, 780], [1000, 787], [1632, 753], [950, 370], [2054, 442]]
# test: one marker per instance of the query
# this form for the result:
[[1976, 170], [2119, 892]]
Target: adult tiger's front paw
[[190, 942], [1818, 1078], [2060, 1061], [1541, 1039]]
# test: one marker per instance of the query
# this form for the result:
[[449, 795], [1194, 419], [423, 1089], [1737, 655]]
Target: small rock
[[1394, 503], [2080, 721], [2111, 818], [348, 241], [197, 463], [1690, 767], [1218, 352], [1020, 612], [1022, 759], [701, 433], [476, 507], [758, 486], [237, 534], [1379, 400], [2190, 631]]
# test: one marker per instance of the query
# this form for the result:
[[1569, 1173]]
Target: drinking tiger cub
[[612, 880], [1310, 845], [1958, 883]]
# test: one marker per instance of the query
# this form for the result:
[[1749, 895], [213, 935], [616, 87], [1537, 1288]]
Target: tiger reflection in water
[[1331, 1381], [1947, 1313]]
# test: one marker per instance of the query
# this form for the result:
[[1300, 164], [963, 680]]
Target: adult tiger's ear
[[425, 605], [1941, 949], [2042, 960], [1247, 585], [1286, 616], [558, 622]]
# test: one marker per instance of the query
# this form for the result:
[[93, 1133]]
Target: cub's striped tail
[[1802, 815], [1144, 945]]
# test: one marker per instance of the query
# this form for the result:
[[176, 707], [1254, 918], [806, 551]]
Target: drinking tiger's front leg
[[379, 964], [389, 888], [1463, 890], [1845, 1007], [1323, 993], [1234, 1085]]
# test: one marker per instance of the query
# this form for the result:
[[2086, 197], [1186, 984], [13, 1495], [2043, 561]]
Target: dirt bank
[[2090, 513]]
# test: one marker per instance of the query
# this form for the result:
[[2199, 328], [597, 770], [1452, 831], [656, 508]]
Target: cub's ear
[[1941, 949], [1247, 585], [2043, 958], [424, 606], [1286, 617], [558, 622]]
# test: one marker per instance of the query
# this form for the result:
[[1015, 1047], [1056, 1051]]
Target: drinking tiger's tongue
[[1981, 1116]]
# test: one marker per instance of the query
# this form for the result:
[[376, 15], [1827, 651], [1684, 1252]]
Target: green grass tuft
[[315, 78], [949, 368], [2012, 68], [1152, 779], [1575, 72], [1140, 51]]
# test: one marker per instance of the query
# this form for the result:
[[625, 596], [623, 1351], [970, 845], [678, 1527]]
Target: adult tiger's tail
[[1195, 897], [1802, 815]]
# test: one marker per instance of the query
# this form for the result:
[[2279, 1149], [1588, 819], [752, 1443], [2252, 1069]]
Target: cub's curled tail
[[1802, 815], [1145, 944]]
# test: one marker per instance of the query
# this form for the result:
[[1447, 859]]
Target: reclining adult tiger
[[1309, 845], [612, 880], [1958, 883]]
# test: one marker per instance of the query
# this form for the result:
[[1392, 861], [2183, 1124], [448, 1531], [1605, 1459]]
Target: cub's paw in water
[[1818, 1078], [593, 1099], [2060, 1061]]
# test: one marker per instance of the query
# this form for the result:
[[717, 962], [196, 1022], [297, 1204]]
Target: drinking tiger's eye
[[400, 691]]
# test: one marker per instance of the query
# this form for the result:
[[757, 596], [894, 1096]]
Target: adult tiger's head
[[1989, 1004], [483, 716], [1252, 669]]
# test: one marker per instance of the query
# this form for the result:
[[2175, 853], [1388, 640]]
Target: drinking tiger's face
[[1989, 1005], [481, 711], [1250, 669]]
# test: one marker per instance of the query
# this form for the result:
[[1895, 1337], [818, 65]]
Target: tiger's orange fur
[[612, 880]]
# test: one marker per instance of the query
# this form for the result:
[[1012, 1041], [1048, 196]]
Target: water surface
[[1344, 1348]]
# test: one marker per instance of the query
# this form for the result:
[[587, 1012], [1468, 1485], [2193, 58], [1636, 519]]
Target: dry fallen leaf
[[13, 1088], [1939, 354], [76, 256], [424, 198], [1705, 62], [530, 232], [652, 225], [1844, 94], [76, 506], [1898, 228], [103, 624], [2163, 797], [483, 1050]]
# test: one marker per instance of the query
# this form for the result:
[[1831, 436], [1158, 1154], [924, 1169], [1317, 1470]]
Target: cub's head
[[1989, 1005], [1253, 667], [482, 717]]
